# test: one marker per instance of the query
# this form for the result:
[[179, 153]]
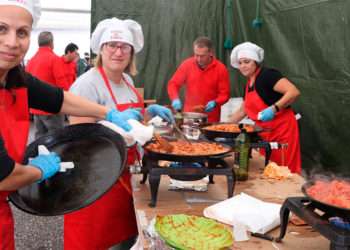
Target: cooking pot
[[164, 129], [190, 122], [193, 118]]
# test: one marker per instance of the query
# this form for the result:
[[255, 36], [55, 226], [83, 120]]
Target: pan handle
[[263, 236], [228, 154]]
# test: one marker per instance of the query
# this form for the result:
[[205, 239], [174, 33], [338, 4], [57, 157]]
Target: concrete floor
[[37, 232]]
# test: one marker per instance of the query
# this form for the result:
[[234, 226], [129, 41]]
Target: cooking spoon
[[163, 143], [183, 136]]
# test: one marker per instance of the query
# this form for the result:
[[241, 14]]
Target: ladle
[[163, 143]]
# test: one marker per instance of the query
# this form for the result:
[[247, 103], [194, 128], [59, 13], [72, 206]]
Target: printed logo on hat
[[116, 34]]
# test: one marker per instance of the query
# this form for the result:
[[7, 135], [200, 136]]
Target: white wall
[[71, 23]]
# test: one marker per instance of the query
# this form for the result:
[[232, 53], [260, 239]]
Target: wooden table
[[169, 202]]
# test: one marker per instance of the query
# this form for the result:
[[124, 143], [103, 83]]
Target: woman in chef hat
[[20, 91], [111, 219], [267, 101]]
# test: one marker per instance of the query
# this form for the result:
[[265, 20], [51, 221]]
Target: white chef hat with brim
[[116, 30], [32, 6], [246, 50]]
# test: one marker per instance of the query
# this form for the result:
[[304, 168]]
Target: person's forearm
[[238, 115], [290, 93], [78, 106], [80, 119], [20, 177], [288, 98]]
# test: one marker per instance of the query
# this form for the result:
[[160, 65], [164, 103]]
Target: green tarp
[[307, 40]]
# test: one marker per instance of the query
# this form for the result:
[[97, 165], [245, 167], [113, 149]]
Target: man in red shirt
[[206, 80], [46, 66], [68, 62]]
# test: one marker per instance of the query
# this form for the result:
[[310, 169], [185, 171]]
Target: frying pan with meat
[[153, 153], [210, 132], [329, 208]]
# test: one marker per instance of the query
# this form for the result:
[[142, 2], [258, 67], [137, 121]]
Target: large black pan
[[325, 207], [212, 134], [185, 158], [99, 156]]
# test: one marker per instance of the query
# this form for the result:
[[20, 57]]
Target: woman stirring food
[[110, 220], [267, 99], [20, 91]]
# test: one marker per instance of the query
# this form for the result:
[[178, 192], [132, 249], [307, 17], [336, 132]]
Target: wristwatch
[[276, 107]]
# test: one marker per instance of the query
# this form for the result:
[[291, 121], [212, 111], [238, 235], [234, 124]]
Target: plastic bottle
[[242, 144]]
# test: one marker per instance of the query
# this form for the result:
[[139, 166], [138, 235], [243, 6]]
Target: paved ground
[[37, 232]]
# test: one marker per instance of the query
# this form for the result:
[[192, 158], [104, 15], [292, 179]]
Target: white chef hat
[[32, 6], [246, 50], [114, 29]]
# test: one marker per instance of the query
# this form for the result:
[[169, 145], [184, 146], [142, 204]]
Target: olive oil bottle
[[242, 144]]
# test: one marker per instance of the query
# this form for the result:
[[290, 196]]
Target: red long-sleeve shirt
[[69, 73], [47, 67], [202, 85]]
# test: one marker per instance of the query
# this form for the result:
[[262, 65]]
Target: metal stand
[[215, 166], [301, 206]]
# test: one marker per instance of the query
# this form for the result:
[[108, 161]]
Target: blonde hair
[[130, 69]]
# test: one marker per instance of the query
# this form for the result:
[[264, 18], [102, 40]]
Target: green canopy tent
[[307, 40]]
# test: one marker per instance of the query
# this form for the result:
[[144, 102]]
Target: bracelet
[[276, 107]]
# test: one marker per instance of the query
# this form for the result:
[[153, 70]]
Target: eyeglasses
[[113, 46]]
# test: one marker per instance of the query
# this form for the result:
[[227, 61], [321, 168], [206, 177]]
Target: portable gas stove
[[229, 138], [307, 210], [212, 165]]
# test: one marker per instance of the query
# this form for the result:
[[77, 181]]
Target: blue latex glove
[[133, 113], [120, 118], [48, 165], [267, 114], [339, 222], [210, 106], [176, 104], [161, 111]]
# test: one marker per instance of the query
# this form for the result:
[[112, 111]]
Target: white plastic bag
[[258, 216], [138, 133]]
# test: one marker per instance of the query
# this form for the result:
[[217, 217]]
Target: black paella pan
[[330, 209], [168, 156], [99, 156], [212, 134]]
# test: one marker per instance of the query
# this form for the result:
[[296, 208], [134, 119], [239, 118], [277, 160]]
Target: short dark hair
[[45, 38], [71, 47], [203, 42]]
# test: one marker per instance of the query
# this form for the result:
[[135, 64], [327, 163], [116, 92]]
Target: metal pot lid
[[99, 156]]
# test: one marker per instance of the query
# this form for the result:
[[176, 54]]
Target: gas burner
[[340, 222], [213, 166], [317, 218]]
